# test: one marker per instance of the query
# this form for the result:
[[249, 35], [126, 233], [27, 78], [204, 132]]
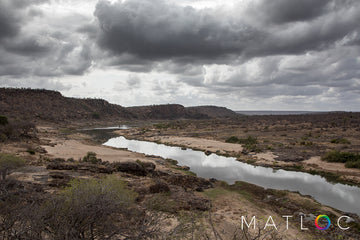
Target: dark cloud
[[161, 30], [277, 50], [285, 11], [9, 21], [27, 46], [36, 44]]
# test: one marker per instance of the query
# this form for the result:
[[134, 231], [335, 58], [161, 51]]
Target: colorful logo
[[317, 222]]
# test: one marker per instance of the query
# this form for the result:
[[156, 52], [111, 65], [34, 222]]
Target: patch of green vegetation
[[232, 139], [310, 205], [278, 193], [249, 143], [31, 151], [161, 125], [340, 141], [269, 148], [8, 163], [355, 164], [330, 177], [354, 225], [172, 161], [214, 193], [95, 115], [306, 143], [161, 202], [351, 160], [247, 190], [295, 167], [250, 161], [66, 130], [190, 173], [250, 140], [3, 120], [91, 158]]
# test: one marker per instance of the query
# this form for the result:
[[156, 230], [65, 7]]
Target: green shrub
[[95, 115], [3, 120], [9, 162], [90, 209], [343, 157], [31, 151], [91, 158], [353, 164], [250, 140], [232, 139], [340, 140], [162, 125]]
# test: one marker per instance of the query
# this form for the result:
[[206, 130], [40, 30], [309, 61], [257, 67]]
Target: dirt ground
[[292, 141], [229, 203]]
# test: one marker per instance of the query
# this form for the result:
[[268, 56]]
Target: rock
[[40, 149], [130, 167], [62, 166], [149, 166], [59, 179], [207, 152], [159, 187], [190, 201], [80, 166], [213, 180], [187, 181]]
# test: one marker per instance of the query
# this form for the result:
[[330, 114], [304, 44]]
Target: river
[[339, 196]]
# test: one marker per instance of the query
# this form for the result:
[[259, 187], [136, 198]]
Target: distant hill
[[213, 111], [51, 106]]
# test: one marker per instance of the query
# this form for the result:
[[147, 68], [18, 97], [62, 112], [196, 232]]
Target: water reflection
[[120, 127], [340, 196]]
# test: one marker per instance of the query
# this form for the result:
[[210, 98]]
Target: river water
[[339, 196]]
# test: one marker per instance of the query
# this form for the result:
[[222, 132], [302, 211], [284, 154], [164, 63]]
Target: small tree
[[8, 163], [90, 209], [91, 158]]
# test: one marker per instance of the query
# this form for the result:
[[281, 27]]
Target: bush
[[95, 115], [91, 158], [250, 140], [232, 139], [90, 209], [8, 163], [31, 151], [353, 164], [3, 120], [340, 140], [17, 130], [351, 160], [343, 157]]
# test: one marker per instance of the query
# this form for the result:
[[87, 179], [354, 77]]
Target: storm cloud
[[161, 30], [253, 53], [156, 29], [32, 47]]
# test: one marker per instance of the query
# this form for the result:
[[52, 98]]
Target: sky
[[241, 54]]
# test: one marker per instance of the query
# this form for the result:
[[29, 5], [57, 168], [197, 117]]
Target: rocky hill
[[168, 111], [46, 105], [24, 104], [213, 111]]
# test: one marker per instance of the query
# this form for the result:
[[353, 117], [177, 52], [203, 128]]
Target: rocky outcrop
[[188, 182], [94, 168], [136, 168]]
